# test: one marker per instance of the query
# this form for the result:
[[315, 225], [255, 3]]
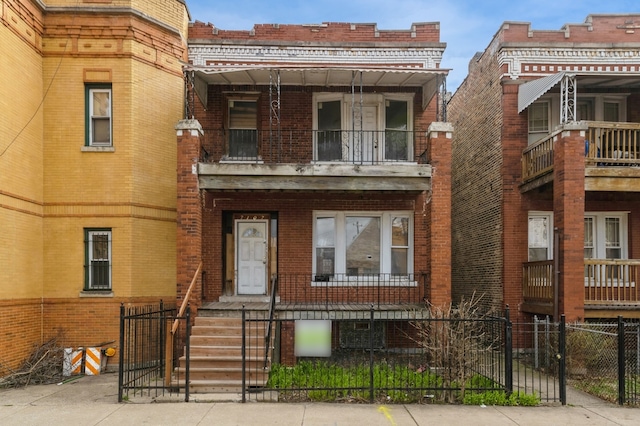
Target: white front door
[[364, 145], [251, 256]]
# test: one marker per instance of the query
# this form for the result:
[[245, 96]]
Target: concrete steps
[[216, 356]]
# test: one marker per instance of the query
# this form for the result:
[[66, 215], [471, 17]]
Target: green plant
[[499, 398]]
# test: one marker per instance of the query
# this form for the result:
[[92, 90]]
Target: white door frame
[[253, 264]]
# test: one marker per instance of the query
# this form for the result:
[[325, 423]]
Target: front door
[[364, 146], [251, 256]]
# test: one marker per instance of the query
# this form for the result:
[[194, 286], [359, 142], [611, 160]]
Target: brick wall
[[325, 32], [477, 257]]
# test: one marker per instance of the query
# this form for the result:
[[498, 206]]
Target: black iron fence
[[326, 290], [380, 356], [390, 356], [150, 353]]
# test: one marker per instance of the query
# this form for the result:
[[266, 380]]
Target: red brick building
[[545, 186], [314, 163]]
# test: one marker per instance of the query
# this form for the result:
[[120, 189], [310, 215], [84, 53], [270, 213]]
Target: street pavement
[[93, 400]]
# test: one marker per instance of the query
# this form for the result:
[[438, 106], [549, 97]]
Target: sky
[[466, 26]]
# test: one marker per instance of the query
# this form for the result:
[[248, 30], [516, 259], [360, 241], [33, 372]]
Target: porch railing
[[611, 281], [606, 144], [341, 289], [538, 281], [606, 281], [284, 146]]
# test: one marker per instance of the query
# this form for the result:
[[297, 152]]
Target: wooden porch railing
[[611, 281], [606, 144], [172, 331], [537, 281], [537, 158], [606, 281]]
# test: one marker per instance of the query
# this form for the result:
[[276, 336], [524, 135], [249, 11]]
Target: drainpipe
[[556, 274]]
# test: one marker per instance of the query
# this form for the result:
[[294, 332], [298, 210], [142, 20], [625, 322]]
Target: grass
[[321, 381]]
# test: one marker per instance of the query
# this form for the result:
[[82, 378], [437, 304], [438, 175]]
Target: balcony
[[392, 160], [608, 145], [610, 286]]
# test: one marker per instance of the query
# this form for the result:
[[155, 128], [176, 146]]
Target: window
[[611, 111], [539, 117], [97, 259], [329, 134], [372, 128], [98, 115], [540, 236], [361, 244], [243, 133], [605, 235], [396, 135]]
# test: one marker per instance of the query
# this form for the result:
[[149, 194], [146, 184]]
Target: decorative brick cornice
[[524, 61], [203, 55]]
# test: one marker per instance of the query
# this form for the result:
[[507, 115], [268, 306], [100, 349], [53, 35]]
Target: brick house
[[314, 167], [89, 97], [545, 186]]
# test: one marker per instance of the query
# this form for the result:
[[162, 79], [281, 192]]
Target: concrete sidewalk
[[93, 401]]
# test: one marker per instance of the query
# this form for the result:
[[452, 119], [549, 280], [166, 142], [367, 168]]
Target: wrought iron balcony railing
[[314, 146]]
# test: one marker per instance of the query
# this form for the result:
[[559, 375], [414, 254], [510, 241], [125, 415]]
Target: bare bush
[[457, 341]]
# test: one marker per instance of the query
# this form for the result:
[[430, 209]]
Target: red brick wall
[[568, 207], [596, 29], [189, 208], [337, 32]]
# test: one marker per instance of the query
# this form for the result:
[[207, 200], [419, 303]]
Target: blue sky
[[467, 26]]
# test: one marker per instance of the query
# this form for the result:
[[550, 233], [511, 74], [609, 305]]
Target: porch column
[[439, 209], [568, 210], [189, 212]]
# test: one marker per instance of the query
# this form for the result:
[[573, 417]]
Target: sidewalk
[[93, 401]]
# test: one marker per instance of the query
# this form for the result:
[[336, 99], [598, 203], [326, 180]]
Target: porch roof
[[530, 91], [317, 75]]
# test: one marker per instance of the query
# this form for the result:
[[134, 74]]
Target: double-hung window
[[397, 138], [243, 133], [98, 115], [361, 244], [97, 259]]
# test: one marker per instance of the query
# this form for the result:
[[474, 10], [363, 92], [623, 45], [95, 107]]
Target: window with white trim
[[97, 259], [605, 235], [243, 128], [540, 236], [98, 115], [539, 117], [363, 243], [374, 127]]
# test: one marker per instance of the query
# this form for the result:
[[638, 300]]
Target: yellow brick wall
[[51, 189], [20, 157]]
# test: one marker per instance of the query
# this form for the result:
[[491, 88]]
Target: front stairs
[[216, 356]]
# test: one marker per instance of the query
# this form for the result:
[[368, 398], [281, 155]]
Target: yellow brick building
[[90, 92]]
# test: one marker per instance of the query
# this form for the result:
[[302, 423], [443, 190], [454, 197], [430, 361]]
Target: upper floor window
[[539, 117], [369, 129], [98, 115], [243, 125], [97, 259]]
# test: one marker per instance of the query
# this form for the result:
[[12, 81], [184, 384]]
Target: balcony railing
[[606, 282], [606, 144], [611, 281], [317, 146], [340, 289], [538, 281]]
